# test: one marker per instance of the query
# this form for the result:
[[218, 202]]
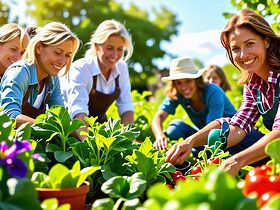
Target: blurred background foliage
[[149, 29]]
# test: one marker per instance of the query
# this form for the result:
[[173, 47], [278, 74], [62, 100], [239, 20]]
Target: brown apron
[[100, 102], [30, 110]]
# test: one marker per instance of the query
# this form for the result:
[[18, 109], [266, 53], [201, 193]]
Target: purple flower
[[8, 157]]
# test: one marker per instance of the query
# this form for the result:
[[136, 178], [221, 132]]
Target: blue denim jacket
[[14, 85]]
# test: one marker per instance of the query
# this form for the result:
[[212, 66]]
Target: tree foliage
[[266, 8], [148, 29], [4, 13]]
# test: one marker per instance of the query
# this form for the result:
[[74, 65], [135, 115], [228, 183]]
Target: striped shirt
[[248, 113]]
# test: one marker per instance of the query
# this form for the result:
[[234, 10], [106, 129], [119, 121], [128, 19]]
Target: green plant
[[52, 132], [16, 165], [60, 177]]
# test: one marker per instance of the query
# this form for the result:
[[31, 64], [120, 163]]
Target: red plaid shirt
[[248, 113]]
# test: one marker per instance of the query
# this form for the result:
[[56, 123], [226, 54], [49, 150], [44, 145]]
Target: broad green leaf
[[146, 166], [107, 142], [85, 173], [56, 174], [131, 204], [62, 156], [103, 204], [76, 168], [52, 147], [137, 186], [146, 147], [116, 187], [272, 149]]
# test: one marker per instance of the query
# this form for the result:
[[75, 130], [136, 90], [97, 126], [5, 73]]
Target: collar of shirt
[[114, 72]]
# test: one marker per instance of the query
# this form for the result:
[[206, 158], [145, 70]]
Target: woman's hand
[[161, 142], [179, 152], [231, 166]]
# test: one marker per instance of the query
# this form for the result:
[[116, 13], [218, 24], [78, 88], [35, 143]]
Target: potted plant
[[68, 186]]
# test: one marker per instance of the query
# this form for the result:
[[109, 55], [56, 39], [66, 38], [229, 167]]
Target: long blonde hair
[[10, 31], [258, 25], [51, 34], [104, 31]]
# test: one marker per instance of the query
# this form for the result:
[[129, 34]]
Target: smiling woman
[[13, 41], [30, 85]]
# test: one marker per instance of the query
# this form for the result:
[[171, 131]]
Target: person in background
[[101, 77], [202, 102], [215, 74], [31, 84], [13, 41], [254, 48]]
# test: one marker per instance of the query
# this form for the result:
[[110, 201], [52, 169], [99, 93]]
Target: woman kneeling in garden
[[254, 48]]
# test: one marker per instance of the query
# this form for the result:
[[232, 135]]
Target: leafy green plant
[[216, 190], [151, 163], [60, 176], [125, 189], [52, 132], [106, 146]]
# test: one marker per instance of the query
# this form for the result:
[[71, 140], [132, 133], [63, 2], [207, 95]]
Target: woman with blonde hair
[[30, 85], [254, 48], [101, 77], [13, 41]]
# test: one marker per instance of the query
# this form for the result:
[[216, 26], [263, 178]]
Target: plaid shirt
[[248, 113]]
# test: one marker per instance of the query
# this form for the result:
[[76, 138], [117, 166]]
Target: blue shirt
[[216, 102], [14, 85]]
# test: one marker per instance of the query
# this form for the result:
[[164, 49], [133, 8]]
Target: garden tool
[[218, 137]]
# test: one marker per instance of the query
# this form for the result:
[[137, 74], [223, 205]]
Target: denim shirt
[[15, 82]]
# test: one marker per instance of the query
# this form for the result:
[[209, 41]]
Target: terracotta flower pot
[[76, 197]]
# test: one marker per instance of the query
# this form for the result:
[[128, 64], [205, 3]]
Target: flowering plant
[[16, 167]]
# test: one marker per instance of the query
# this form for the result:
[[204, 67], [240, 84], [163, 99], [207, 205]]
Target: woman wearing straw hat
[[203, 102]]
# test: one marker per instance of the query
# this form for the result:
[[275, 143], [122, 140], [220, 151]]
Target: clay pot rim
[[83, 187]]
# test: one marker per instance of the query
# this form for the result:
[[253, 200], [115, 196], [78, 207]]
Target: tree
[[266, 8], [4, 13], [148, 29]]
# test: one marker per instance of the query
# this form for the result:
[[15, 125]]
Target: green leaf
[[86, 172], [62, 156], [116, 187], [57, 174], [23, 132], [103, 204], [22, 194], [273, 203], [146, 147], [146, 166], [131, 204], [40, 180], [137, 186], [52, 203], [6, 126], [272, 149]]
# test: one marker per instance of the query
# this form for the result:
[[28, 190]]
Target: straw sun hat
[[183, 68]]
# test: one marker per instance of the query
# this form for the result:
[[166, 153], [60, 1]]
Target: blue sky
[[201, 24]]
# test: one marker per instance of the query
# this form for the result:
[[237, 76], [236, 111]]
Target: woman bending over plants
[[29, 85], [254, 48]]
